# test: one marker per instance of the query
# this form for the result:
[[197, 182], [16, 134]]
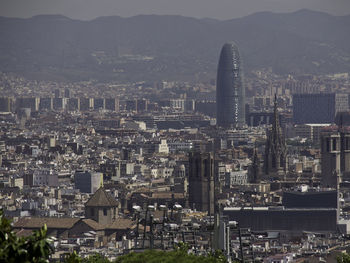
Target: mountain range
[[164, 47]]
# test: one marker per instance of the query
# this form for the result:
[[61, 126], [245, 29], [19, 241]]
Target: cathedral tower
[[275, 162]]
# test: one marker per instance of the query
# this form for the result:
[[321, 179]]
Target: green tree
[[344, 258], [34, 248], [73, 258], [96, 258], [180, 254]]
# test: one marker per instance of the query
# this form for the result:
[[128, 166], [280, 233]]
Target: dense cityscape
[[253, 164]]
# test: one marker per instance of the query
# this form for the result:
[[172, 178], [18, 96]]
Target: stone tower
[[335, 155], [102, 207], [201, 181]]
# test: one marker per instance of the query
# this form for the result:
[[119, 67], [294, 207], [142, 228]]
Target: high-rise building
[[318, 108], [201, 182], [230, 93], [67, 93], [46, 104], [73, 104], [99, 103], [112, 104], [6, 104], [58, 93], [32, 103], [142, 105], [59, 103], [86, 104], [131, 105]]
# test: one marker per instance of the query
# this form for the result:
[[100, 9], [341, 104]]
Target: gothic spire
[[255, 155], [275, 115], [275, 149]]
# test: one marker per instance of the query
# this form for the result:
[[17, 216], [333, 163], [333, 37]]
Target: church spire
[[275, 126], [275, 150]]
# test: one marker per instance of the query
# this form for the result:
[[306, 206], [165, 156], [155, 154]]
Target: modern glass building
[[314, 108], [230, 93]]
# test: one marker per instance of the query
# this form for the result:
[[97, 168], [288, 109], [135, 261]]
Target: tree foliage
[[344, 258], [96, 258], [180, 254], [34, 248]]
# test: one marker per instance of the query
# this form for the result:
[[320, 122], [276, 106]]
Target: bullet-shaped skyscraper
[[230, 93]]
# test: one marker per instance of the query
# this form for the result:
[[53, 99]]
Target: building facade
[[88, 182], [292, 220], [311, 132]]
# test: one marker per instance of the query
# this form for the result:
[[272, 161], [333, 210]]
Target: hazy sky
[[221, 9]]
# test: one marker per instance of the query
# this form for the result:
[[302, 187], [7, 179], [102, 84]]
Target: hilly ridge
[[154, 47]]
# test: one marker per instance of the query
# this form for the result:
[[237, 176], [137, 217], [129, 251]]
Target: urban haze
[[174, 131]]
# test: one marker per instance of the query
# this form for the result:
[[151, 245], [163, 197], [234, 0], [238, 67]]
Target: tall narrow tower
[[230, 93], [275, 162], [201, 181], [335, 155]]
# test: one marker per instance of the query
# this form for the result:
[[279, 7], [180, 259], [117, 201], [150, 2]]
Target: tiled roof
[[121, 223], [51, 222], [93, 224], [102, 199], [166, 195]]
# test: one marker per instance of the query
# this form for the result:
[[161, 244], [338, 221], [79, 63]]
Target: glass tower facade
[[230, 93]]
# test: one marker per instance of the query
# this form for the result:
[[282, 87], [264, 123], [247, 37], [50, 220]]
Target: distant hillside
[[150, 47]]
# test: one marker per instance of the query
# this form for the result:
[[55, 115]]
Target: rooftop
[[102, 199]]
